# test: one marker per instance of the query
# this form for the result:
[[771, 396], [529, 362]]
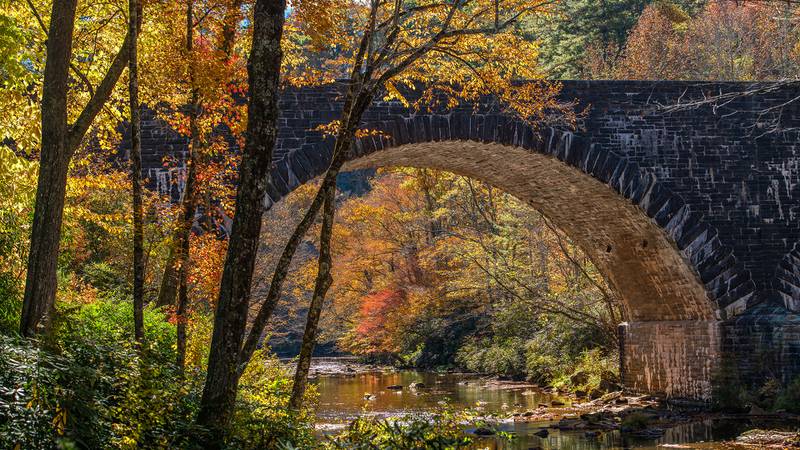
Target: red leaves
[[377, 311]]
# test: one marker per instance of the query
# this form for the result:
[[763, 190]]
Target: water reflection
[[342, 399]]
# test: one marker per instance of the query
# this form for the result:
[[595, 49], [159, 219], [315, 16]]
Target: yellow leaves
[[392, 93], [60, 420], [331, 128]]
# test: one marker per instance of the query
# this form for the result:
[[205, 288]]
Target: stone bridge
[[691, 215]]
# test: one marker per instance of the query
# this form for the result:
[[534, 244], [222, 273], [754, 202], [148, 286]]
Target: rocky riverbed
[[536, 417]]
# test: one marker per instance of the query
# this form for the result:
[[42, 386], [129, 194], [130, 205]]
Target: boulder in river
[[484, 431], [579, 378], [369, 396], [571, 424], [416, 385], [608, 385]]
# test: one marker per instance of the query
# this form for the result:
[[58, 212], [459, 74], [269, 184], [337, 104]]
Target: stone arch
[[483, 146], [676, 279]]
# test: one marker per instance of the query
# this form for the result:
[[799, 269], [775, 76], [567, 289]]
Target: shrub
[[729, 393], [262, 418], [502, 357], [589, 369], [106, 278], [635, 421], [541, 367], [444, 430], [789, 397], [87, 384], [10, 303], [29, 395]]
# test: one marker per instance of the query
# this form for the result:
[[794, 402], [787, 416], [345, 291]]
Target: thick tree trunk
[[134, 14], [219, 392], [278, 277], [59, 142], [354, 107], [321, 286], [40, 284]]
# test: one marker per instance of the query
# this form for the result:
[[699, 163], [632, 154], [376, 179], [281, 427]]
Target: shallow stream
[[347, 390]]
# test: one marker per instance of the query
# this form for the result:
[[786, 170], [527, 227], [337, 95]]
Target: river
[[347, 390]]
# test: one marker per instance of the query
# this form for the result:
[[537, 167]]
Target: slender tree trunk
[[180, 312], [59, 142], [134, 14], [189, 197], [322, 283], [41, 284], [189, 207], [219, 392], [342, 145], [178, 255], [278, 277]]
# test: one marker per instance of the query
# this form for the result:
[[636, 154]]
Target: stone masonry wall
[[723, 191]]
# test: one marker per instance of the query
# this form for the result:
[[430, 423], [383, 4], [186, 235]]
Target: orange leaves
[[207, 260], [726, 41], [377, 311]]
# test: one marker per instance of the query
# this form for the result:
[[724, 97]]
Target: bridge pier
[[685, 358], [674, 358], [762, 344]]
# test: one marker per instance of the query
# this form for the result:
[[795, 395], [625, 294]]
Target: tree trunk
[[41, 284], [180, 312], [185, 231], [354, 106], [278, 277], [134, 14], [189, 201], [59, 142], [178, 255], [219, 392], [169, 281], [321, 285]]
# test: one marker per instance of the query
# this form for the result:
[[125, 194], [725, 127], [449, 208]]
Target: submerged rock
[[542, 433], [395, 387]]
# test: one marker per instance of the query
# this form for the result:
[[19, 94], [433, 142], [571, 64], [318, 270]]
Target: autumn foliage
[[747, 40]]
